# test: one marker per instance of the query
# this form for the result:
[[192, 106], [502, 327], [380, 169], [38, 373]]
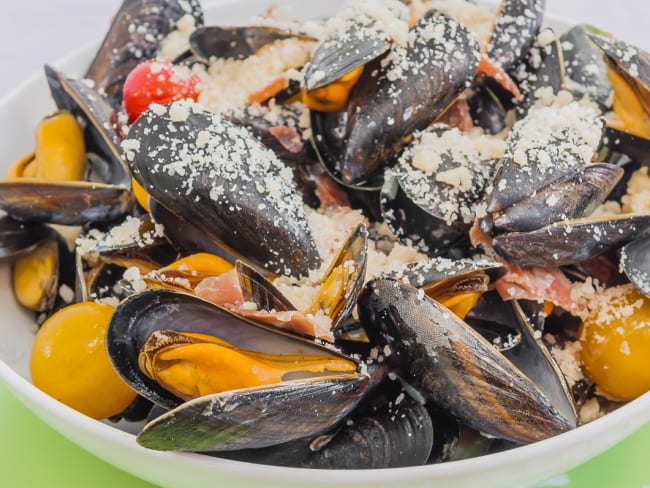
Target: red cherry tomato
[[157, 82]]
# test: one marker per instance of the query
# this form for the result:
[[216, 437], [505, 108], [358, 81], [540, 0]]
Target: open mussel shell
[[39, 276], [18, 237], [408, 90], [515, 29], [353, 45], [571, 241], [631, 62], [449, 363], [135, 35], [202, 148], [63, 202], [256, 417], [635, 261], [345, 276], [136, 318], [84, 101], [534, 359], [234, 42], [257, 289], [328, 138]]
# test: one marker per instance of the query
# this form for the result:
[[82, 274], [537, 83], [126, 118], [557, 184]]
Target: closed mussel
[[202, 168], [455, 367]]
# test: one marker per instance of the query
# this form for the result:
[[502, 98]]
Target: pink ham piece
[[540, 284], [224, 290]]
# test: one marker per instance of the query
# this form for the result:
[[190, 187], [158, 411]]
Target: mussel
[[178, 151], [315, 389], [396, 95], [454, 366]]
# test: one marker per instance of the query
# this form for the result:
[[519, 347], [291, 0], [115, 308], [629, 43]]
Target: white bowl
[[20, 111]]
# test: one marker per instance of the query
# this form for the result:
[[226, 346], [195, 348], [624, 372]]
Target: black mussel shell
[[449, 363], [18, 237], [569, 242], [255, 417], [402, 93], [203, 168], [64, 202], [234, 42], [635, 261], [514, 31]]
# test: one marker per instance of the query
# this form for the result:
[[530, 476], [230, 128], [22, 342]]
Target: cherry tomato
[[69, 361], [615, 342], [157, 82]]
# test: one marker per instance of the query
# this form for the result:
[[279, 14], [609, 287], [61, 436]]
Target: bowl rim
[[34, 399]]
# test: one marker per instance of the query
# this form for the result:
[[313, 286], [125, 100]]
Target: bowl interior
[[20, 111]]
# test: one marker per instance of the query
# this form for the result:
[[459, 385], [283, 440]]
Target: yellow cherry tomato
[[615, 342], [69, 361]]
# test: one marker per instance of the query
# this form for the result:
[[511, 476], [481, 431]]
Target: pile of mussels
[[418, 363]]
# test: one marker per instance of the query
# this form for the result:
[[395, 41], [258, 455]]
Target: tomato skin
[[69, 361], [616, 348], [160, 82]]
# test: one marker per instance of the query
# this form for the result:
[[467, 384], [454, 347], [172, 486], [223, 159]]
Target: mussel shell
[[635, 261], [635, 147], [84, 101], [584, 64], [353, 255], [530, 165], [255, 417], [403, 93], [328, 138], [257, 289], [452, 365], [412, 223], [487, 109], [352, 46], [269, 227], [139, 315], [631, 62], [144, 247], [569, 242], [233, 42], [134, 36], [390, 438], [66, 203], [441, 272], [543, 68], [529, 354], [184, 237], [572, 196], [515, 29], [18, 237]]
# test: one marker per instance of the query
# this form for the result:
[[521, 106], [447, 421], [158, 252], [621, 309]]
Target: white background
[[33, 32]]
